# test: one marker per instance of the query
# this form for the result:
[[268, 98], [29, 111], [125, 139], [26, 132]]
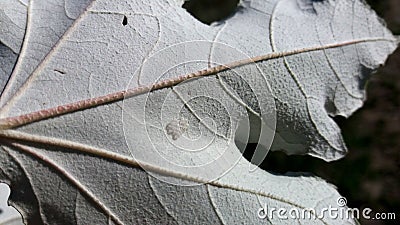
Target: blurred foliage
[[369, 176], [389, 10]]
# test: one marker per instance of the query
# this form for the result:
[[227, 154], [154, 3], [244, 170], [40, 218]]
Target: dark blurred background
[[369, 176]]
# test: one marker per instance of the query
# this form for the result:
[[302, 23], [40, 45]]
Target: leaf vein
[[21, 120]]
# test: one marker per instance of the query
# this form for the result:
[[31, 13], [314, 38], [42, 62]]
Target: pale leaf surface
[[115, 160]]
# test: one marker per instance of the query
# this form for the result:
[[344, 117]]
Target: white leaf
[[127, 113]]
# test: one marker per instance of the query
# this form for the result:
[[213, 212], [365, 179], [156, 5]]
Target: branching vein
[[21, 120]]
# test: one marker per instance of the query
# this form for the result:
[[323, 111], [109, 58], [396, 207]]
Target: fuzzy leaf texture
[[129, 111]]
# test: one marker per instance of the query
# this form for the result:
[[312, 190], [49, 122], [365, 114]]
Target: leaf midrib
[[24, 119]]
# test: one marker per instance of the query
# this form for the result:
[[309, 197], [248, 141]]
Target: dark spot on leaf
[[125, 21], [208, 11], [59, 71]]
